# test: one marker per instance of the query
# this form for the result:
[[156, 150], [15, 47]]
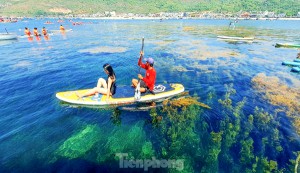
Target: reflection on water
[[6, 42], [23, 64], [104, 49], [243, 116]]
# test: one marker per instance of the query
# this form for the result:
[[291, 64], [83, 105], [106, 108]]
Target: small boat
[[297, 60], [291, 45], [235, 38], [8, 36], [6, 42], [295, 69], [291, 63]]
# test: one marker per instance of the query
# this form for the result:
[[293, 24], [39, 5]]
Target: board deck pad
[[128, 91]]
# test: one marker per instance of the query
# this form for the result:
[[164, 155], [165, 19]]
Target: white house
[[113, 13]]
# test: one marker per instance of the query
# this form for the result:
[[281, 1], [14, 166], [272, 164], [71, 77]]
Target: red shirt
[[150, 76]]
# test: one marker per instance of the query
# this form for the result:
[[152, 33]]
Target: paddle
[[137, 94]]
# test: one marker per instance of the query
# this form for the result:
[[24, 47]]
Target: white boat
[[8, 36], [235, 38]]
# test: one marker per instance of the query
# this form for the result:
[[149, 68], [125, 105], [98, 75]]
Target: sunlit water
[[39, 134]]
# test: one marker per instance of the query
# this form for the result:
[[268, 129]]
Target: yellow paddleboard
[[124, 95]]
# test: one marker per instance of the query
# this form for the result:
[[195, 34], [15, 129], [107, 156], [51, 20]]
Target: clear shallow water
[[38, 133]]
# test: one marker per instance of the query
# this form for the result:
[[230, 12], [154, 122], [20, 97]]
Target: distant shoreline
[[162, 18], [184, 18]]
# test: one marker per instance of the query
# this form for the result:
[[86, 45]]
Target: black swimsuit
[[113, 86]]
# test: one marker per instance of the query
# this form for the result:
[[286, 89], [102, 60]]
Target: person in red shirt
[[147, 82]]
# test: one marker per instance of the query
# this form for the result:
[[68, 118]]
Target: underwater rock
[[80, 143], [131, 140]]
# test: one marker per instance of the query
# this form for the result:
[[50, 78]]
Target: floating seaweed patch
[[188, 28], [225, 62], [199, 50], [185, 101], [104, 49], [280, 95], [164, 42], [180, 68], [203, 68], [238, 32], [215, 30]]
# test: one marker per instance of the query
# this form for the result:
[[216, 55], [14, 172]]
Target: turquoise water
[[38, 133]]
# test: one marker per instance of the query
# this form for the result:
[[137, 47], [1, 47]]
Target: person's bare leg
[[93, 91], [143, 90], [102, 91], [101, 83], [90, 92], [134, 82]]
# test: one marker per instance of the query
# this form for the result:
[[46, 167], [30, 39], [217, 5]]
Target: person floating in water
[[27, 32], [44, 31], [106, 87], [147, 82], [62, 28], [231, 25], [35, 32], [298, 55]]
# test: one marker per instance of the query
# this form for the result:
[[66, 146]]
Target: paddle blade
[[137, 93], [142, 44]]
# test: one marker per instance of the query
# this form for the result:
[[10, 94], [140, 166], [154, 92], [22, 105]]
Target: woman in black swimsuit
[[105, 87]]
